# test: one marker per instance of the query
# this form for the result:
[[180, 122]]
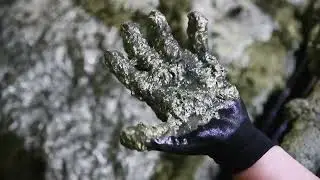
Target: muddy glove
[[202, 112]]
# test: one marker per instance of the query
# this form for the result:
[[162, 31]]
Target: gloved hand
[[202, 112]]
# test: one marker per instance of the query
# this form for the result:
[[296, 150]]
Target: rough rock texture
[[176, 14], [287, 24], [264, 73], [233, 26], [56, 93], [177, 167], [314, 44], [115, 12], [243, 37], [314, 51], [302, 142]]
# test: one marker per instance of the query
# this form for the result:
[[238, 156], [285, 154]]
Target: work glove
[[202, 113]]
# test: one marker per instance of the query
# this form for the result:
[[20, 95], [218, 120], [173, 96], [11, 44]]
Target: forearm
[[276, 164]]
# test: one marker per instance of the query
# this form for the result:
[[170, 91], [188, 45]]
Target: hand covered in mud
[[186, 88]]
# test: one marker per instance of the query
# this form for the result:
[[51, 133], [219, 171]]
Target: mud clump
[[184, 87]]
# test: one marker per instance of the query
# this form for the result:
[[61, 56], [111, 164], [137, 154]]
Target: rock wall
[[57, 96], [302, 142]]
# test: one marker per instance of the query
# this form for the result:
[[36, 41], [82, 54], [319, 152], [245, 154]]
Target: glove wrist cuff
[[245, 147]]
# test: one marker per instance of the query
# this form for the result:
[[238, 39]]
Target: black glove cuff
[[245, 147]]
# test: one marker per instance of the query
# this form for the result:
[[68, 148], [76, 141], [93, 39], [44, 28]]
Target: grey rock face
[[56, 94], [115, 12], [185, 89], [59, 96], [208, 170], [314, 45], [241, 35], [302, 142], [234, 25]]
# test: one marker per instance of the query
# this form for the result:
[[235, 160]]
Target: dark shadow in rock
[[18, 163], [6, 2], [264, 121]]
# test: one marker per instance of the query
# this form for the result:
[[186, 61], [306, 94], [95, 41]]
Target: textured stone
[[302, 142], [314, 44], [264, 73], [234, 26], [177, 167], [56, 93], [243, 36], [115, 12]]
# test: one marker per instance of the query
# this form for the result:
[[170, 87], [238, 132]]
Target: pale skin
[[285, 168]]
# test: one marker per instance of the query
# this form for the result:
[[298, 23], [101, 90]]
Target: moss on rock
[[302, 142], [314, 50], [111, 12], [264, 73], [284, 15], [177, 167], [176, 15]]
